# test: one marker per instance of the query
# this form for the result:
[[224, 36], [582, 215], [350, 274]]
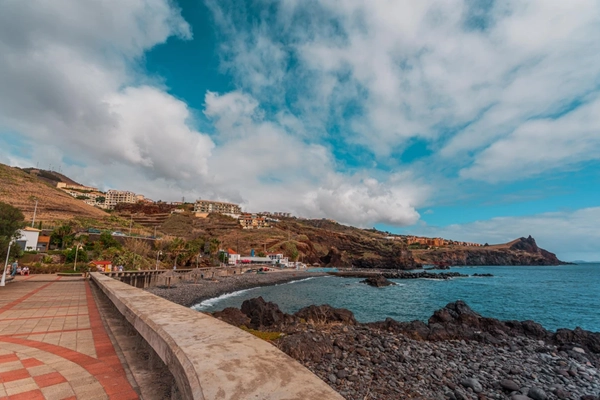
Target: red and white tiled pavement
[[53, 344]]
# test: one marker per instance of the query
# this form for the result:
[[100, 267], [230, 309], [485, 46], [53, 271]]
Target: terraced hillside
[[20, 189]]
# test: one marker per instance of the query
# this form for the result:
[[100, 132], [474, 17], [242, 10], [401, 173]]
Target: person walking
[[15, 265]]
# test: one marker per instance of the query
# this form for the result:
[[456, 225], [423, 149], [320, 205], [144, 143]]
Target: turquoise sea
[[563, 296]]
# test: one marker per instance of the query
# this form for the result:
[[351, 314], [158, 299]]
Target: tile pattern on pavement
[[53, 344]]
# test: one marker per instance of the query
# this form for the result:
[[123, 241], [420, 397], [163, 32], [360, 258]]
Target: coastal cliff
[[522, 251]]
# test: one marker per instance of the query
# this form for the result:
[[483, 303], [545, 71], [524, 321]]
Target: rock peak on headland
[[522, 251]]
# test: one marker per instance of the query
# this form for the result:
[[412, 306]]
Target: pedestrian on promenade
[[15, 265]]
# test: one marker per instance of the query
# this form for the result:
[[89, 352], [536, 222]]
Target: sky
[[474, 120]]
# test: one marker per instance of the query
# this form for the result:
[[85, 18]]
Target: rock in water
[[473, 384], [378, 281]]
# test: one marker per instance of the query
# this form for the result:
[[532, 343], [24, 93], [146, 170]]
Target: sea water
[[565, 296]]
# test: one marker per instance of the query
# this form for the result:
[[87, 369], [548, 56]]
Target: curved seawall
[[208, 358]]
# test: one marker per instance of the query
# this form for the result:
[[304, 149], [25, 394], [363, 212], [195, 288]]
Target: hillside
[[312, 241], [20, 189], [522, 251]]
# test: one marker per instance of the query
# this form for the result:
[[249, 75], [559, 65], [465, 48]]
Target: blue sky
[[470, 119]]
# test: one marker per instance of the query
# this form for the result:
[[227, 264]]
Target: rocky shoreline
[[457, 355], [189, 293]]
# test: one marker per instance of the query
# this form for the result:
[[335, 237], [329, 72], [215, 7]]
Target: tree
[[100, 199], [11, 220], [63, 235], [107, 241]]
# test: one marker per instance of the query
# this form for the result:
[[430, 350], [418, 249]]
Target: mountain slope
[[20, 189]]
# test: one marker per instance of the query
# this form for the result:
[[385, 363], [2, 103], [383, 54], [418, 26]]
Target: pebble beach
[[189, 293]]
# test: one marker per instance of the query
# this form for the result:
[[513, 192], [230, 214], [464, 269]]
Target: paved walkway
[[53, 344]]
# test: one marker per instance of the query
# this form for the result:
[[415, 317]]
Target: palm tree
[[176, 247]]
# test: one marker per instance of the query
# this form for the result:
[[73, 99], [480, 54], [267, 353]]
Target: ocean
[[565, 296]]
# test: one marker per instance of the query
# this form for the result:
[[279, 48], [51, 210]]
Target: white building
[[233, 258], [28, 239], [114, 197], [204, 207]]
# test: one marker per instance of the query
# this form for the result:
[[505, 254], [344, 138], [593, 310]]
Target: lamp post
[[76, 251], [157, 255], [197, 257], [3, 281]]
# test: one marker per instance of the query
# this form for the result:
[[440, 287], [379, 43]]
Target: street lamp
[[3, 281], [157, 255], [197, 257], [76, 250]]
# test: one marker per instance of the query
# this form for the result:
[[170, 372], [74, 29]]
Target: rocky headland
[[523, 251], [457, 354]]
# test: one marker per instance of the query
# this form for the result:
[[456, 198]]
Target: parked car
[[117, 233], [93, 230]]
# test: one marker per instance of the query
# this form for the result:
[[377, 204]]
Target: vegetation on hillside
[[11, 220]]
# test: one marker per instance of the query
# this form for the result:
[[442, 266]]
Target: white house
[[28, 239], [233, 257]]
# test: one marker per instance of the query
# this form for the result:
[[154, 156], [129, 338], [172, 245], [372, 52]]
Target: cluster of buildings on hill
[[108, 201], [437, 242], [247, 220], [105, 200]]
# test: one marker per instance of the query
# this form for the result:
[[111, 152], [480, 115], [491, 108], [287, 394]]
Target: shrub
[[268, 336]]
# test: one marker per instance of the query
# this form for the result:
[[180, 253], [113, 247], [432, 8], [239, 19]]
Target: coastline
[[458, 354], [189, 294]]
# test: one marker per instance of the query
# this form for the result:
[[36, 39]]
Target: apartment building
[[204, 207], [253, 221], [114, 197]]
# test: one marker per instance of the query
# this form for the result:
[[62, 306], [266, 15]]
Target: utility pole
[[130, 223], [34, 212]]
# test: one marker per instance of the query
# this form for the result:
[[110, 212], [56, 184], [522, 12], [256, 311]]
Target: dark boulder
[[306, 346], [262, 313], [378, 281], [233, 316], [326, 314], [585, 339]]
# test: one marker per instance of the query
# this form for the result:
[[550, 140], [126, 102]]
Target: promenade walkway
[[53, 344]]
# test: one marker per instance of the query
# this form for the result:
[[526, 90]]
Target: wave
[[212, 301], [300, 280]]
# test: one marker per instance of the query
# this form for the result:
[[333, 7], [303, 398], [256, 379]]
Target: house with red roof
[[233, 257], [101, 265]]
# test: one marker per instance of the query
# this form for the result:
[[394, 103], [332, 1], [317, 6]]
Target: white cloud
[[542, 144], [460, 74], [313, 77], [68, 81], [572, 235]]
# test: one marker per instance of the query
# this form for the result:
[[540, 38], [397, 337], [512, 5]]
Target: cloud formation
[[72, 88], [468, 77], [329, 95]]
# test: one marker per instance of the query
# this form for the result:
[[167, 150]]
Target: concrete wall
[[208, 358]]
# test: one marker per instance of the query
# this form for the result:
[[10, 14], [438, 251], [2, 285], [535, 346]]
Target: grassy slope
[[19, 188]]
